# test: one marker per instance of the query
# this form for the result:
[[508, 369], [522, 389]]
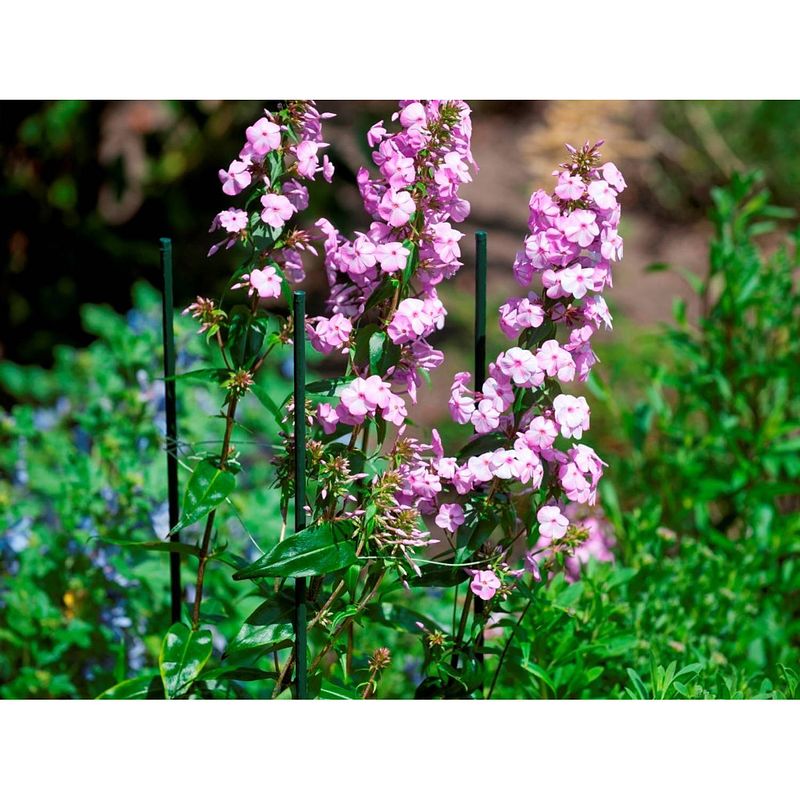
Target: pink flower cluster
[[573, 241], [598, 544], [362, 399], [409, 249], [280, 152]]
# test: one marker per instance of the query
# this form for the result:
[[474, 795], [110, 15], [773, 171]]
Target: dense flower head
[[281, 151]]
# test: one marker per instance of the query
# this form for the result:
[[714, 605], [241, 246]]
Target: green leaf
[[269, 627], [263, 397], [184, 653], [144, 687], [542, 674], [444, 574], [167, 547], [315, 551], [411, 261], [246, 335], [380, 350], [215, 376], [207, 488], [330, 386]]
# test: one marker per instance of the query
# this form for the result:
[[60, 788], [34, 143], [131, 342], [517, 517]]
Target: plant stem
[[462, 625], [507, 645], [349, 621], [206, 543]]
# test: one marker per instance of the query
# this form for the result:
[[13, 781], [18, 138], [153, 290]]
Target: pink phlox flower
[[233, 220], [481, 467], [485, 584], [572, 414], [520, 366], [327, 417], [263, 136], [603, 196], [486, 417], [580, 226], [555, 361], [614, 176], [505, 464], [396, 208], [552, 523], [570, 187], [236, 178], [450, 516], [376, 134], [575, 280], [277, 209]]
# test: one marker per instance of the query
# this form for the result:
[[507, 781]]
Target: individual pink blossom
[[518, 314], [461, 405], [236, 178], [463, 480], [614, 176], [412, 114], [327, 417], [296, 193], [327, 169], [454, 170], [555, 361], [307, 159], [396, 208], [263, 282], [330, 334], [570, 187], [263, 136], [277, 209], [505, 464], [552, 523], [575, 280], [363, 396], [500, 392], [392, 256], [376, 134], [529, 465], [541, 433], [486, 417], [485, 584], [450, 516], [410, 320], [572, 414], [445, 241], [581, 227], [521, 366], [233, 220], [602, 195], [481, 467], [395, 411]]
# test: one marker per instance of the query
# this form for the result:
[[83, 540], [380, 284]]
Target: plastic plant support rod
[[170, 402], [299, 312], [480, 367]]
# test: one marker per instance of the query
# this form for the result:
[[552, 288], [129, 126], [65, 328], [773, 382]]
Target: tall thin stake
[[301, 676], [172, 425], [480, 370]]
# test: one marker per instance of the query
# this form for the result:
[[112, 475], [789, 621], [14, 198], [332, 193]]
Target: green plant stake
[[170, 402], [480, 370], [301, 676]]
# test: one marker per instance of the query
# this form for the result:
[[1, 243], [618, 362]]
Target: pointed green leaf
[[207, 488], [167, 547], [316, 551], [269, 626], [145, 687], [183, 655]]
